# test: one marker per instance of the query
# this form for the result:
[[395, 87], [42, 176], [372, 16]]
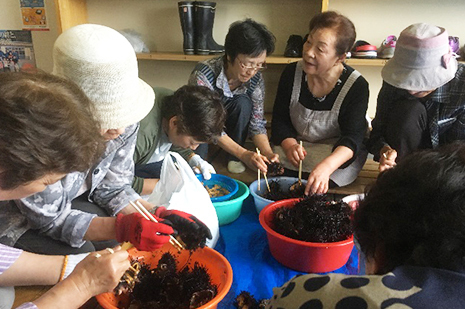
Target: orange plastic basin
[[218, 267]]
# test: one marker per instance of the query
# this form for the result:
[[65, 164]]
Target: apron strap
[[345, 88], [297, 82]]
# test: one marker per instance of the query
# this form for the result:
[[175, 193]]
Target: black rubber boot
[[204, 17], [186, 15], [294, 46]]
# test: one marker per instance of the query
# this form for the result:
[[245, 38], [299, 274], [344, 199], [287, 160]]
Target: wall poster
[[33, 15], [16, 51]]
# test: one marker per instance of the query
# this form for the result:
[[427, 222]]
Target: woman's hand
[[253, 160], [100, 271], [294, 152], [272, 157], [387, 158], [318, 180]]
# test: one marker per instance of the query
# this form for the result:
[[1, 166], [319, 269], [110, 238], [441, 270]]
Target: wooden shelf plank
[[366, 62], [177, 56], [278, 59]]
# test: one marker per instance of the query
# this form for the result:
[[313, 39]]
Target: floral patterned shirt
[[257, 124]]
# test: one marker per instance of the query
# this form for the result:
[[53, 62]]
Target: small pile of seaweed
[[246, 301], [277, 194], [275, 169], [315, 218], [164, 287], [190, 237]]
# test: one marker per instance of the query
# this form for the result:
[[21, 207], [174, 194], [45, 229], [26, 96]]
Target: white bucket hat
[[422, 60], [103, 63]]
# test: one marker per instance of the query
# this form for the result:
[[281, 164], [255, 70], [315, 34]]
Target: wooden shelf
[[366, 62], [177, 56]]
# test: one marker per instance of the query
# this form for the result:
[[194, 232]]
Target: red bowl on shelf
[[218, 268], [310, 257]]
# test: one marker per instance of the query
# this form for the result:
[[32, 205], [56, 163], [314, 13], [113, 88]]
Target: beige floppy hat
[[103, 63], [422, 59]]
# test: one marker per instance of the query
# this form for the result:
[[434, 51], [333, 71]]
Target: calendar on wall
[[33, 15]]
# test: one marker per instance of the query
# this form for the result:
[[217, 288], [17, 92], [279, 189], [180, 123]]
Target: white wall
[[159, 25]]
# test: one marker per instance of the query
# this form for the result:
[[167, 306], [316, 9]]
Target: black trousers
[[151, 170], [407, 130], [239, 112], [35, 242]]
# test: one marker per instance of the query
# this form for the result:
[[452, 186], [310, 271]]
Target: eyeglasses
[[258, 68]]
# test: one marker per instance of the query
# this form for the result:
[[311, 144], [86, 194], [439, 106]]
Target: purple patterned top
[[8, 256]]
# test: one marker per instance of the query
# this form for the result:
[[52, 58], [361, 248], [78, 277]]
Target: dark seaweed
[[190, 237], [245, 300], [275, 169], [164, 287], [315, 218], [277, 194]]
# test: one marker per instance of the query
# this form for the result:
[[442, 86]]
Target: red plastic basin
[[300, 255]]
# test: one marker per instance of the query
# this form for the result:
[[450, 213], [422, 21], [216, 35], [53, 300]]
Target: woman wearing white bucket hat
[[77, 213], [422, 101]]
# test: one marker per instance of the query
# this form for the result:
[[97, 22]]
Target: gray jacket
[[49, 211]]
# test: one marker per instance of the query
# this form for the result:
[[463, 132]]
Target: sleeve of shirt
[[457, 94], [457, 131], [143, 143], [281, 125], [50, 212], [186, 153], [8, 255], [197, 78], [352, 116], [257, 123], [377, 135], [27, 306], [138, 184], [115, 190]]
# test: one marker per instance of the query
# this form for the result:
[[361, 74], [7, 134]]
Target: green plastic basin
[[230, 210]]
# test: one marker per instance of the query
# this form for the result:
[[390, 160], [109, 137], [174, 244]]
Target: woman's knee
[[240, 105]]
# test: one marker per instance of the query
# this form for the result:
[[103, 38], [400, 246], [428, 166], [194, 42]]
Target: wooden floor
[[367, 175]]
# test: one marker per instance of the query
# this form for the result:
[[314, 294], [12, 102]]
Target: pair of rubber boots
[[197, 27]]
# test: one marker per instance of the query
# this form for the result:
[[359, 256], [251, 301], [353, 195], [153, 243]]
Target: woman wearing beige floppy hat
[[422, 101], [77, 214]]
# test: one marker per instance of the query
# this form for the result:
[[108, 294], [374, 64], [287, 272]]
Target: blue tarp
[[244, 244]]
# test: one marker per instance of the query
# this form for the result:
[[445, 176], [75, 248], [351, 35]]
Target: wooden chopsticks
[[264, 175], [147, 215]]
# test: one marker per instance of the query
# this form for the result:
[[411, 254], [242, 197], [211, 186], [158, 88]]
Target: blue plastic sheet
[[244, 244]]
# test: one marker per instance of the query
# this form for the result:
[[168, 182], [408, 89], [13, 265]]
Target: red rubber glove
[[145, 235], [183, 222]]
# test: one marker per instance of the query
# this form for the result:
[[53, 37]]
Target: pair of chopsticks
[[147, 215], [264, 175]]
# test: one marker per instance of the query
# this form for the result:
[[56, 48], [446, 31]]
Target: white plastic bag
[[181, 190]]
